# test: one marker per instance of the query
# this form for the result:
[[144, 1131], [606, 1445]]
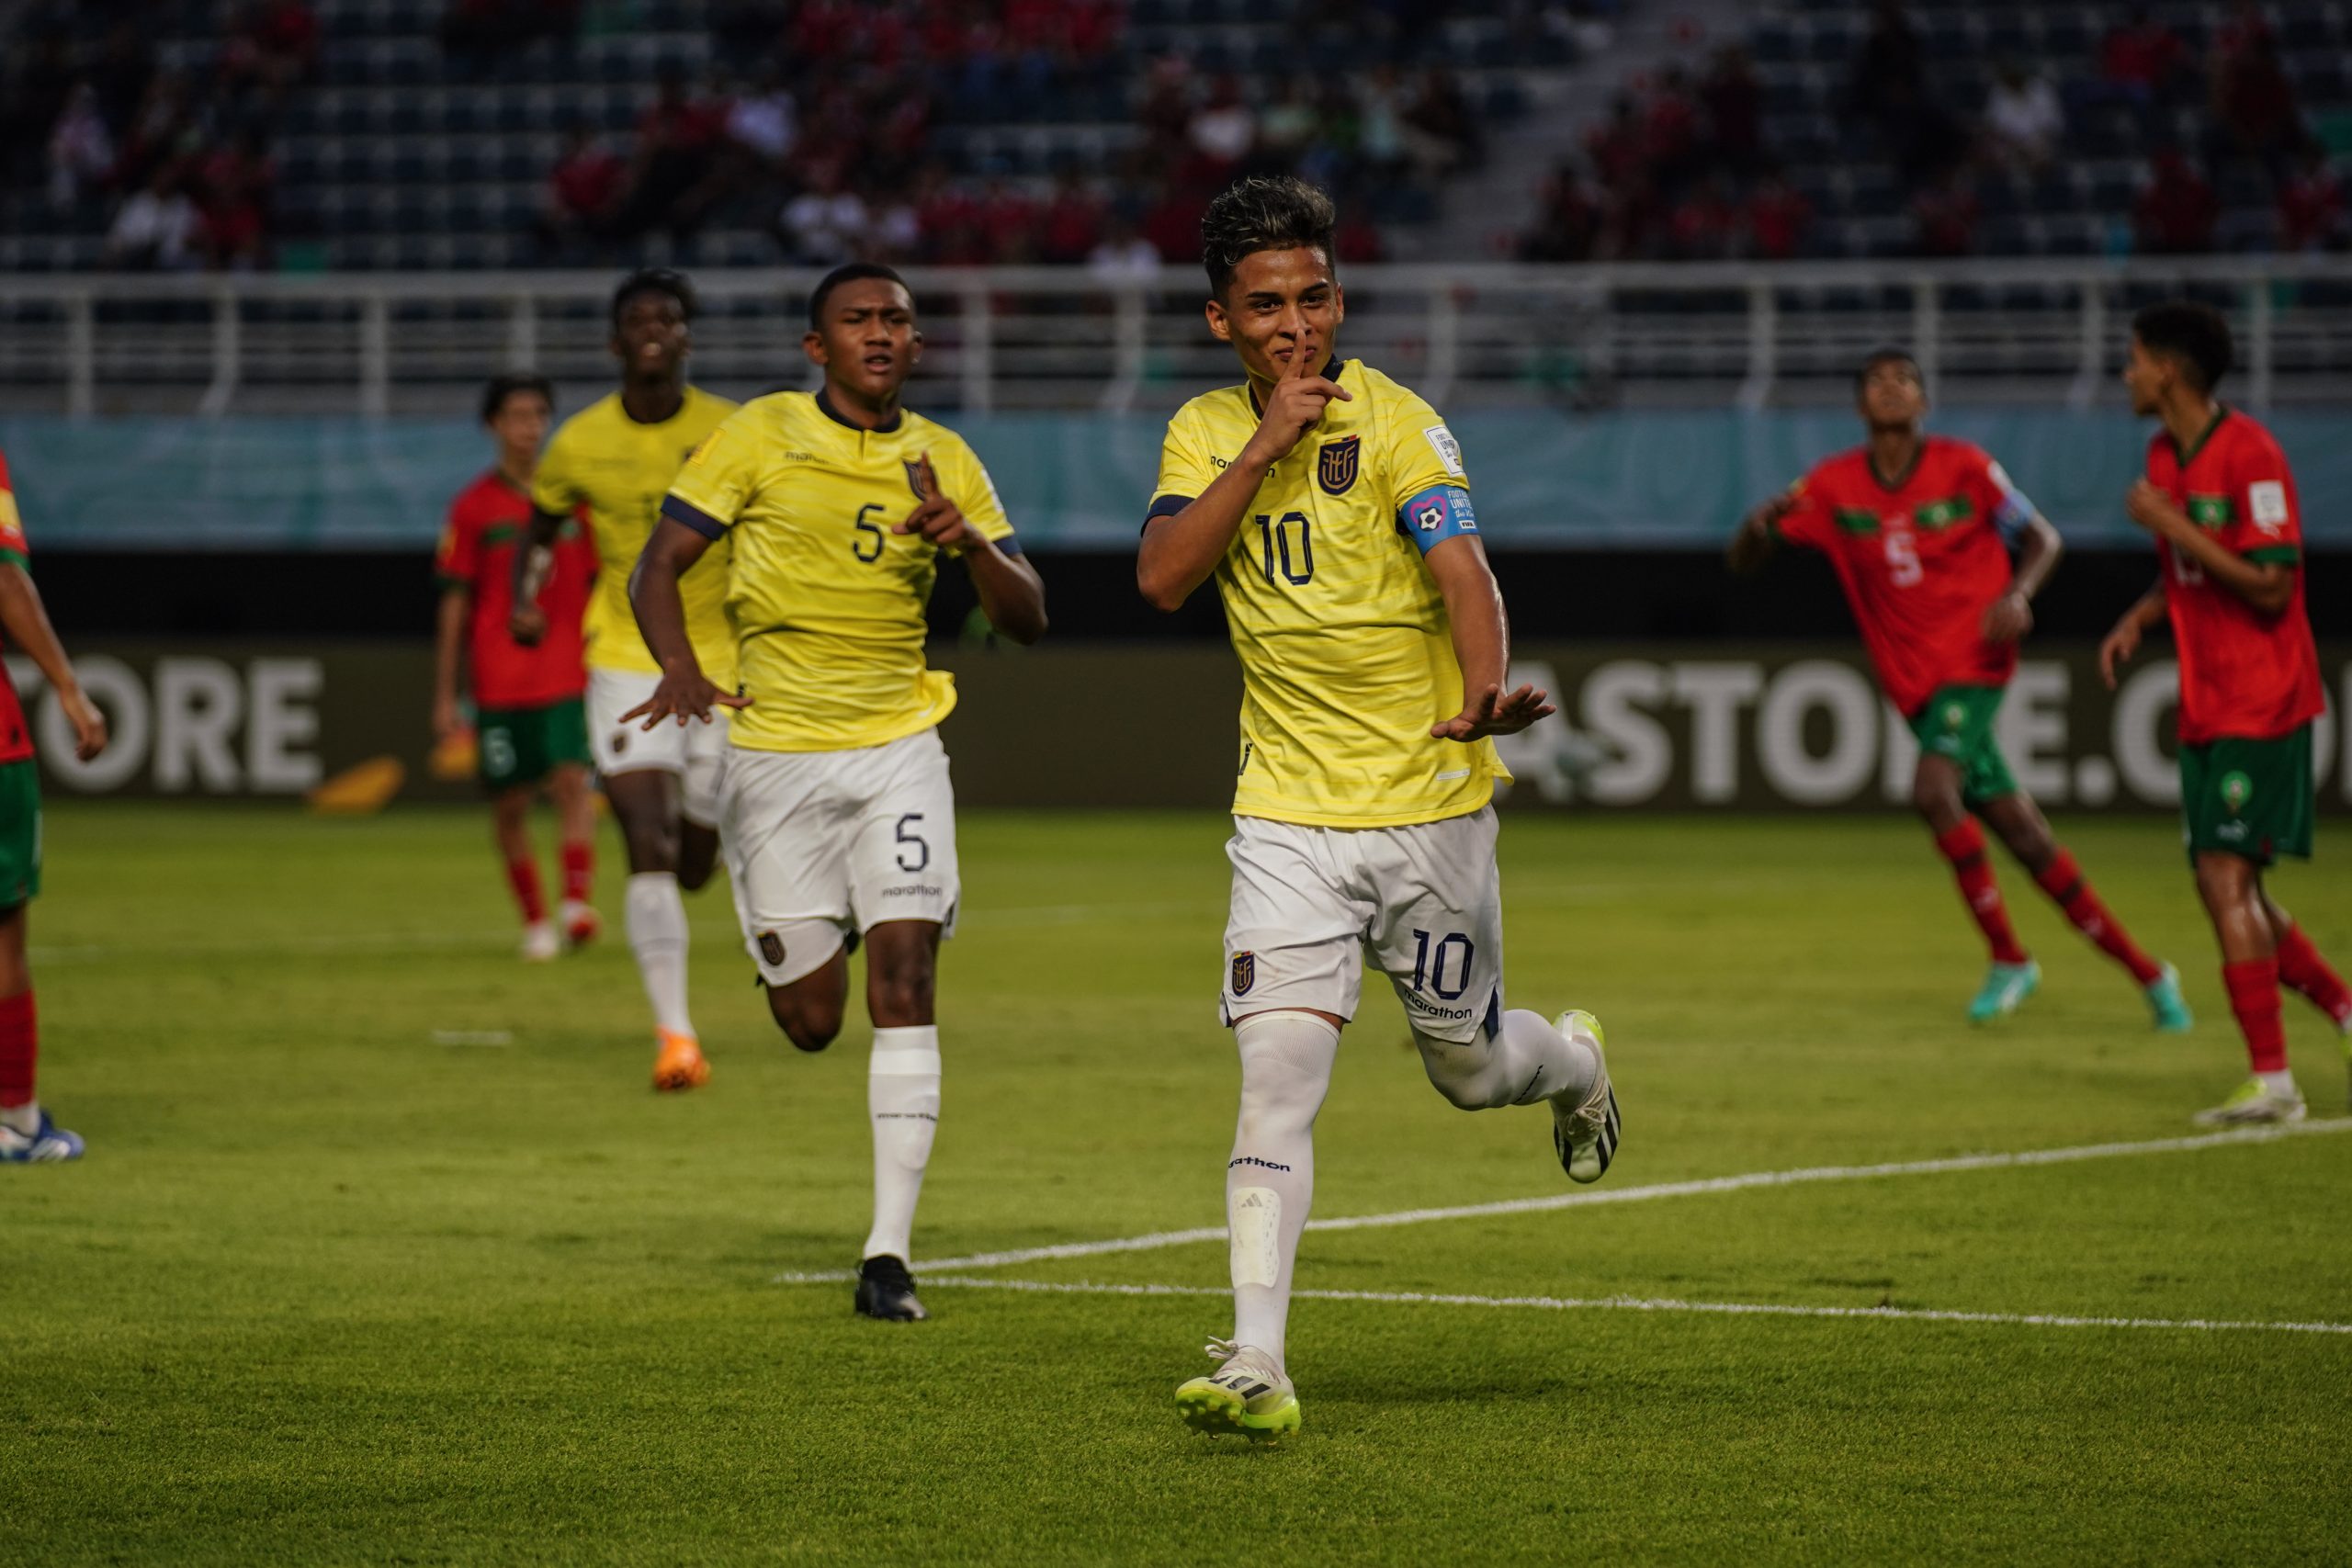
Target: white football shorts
[[694, 750], [822, 843], [1422, 903]]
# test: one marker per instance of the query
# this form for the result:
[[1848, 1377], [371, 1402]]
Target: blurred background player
[[617, 456], [1373, 657], [2221, 502], [1920, 529], [26, 1134], [836, 807], [530, 726]]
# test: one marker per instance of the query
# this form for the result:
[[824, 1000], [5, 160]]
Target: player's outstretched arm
[[1752, 543], [1180, 552], [2117, 648], [684, 691], [448, 638], [26, 620], [534, 564], [1013, 596], [2268, 586], [1473, 605]]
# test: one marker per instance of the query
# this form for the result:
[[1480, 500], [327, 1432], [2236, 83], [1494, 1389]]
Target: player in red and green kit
[[530, 728], [26, 1134], [1921, 531], [2221, 502]]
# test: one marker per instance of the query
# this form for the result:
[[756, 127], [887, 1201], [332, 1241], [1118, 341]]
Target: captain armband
[[1437, 513]]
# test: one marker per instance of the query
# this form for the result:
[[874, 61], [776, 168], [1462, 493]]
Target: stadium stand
[[1846, 128], [401, 134]]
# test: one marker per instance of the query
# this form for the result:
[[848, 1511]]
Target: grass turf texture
[[326, 1290]]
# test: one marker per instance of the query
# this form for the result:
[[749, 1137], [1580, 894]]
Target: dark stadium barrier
[[1652, 725]]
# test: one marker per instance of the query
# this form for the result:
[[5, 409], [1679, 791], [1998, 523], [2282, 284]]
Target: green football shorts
[[1957, 722], [521, 746], [2249, 797], [19, 832]]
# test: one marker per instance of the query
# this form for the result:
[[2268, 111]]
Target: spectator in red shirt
[[1567, 224], [582, 192], [1777, 217], [2254, 106], [1946, 212], [2141, 62], [1705, 223], [2312, 211], [1072, 225], [677, 143], [1734, 102], [2175, 213], [235, 184]]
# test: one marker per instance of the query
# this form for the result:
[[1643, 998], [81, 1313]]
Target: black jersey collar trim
[[1894, 485], [825, 407], [2189, 454]]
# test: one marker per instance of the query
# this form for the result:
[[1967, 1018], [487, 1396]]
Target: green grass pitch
[[331, 1289]]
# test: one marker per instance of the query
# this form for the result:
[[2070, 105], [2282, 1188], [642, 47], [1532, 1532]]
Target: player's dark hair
[[1263, 212], [1879, 356], [654, 280], [2193, 334], [501, 388], [848, 272]]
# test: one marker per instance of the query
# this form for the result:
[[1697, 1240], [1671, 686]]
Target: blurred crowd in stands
[[177, 160], [1683, 167]]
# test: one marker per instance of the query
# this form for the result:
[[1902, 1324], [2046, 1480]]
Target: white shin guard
[[657, 935], [1286, 1060], [902, 1099]]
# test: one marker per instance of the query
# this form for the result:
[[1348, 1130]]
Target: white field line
[[1649, 1303], [1696, 1189]]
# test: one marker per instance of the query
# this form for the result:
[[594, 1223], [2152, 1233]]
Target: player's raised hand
[[2007, 618], [2116, 649], [936, 518], [89, 724], [1296, 405], [1494, 712], [684, 694]]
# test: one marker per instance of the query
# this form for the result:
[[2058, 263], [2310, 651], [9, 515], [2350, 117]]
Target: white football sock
[[902, 1100], [1527, 1061], [1286, 1059], [657, 934], [2280, 1083], [25, 1118]]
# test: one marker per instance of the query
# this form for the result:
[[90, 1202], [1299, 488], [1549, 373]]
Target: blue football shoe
[[47, 1142]]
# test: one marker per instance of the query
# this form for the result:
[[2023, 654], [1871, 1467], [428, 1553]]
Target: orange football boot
[[679, 1064]]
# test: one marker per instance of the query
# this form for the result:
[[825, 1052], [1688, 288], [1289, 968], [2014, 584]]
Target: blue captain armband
[[1437, 513]]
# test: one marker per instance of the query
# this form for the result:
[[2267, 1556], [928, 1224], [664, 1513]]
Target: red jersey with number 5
[[16, 734], [487, 525], [1922, 557], [2243, 674]]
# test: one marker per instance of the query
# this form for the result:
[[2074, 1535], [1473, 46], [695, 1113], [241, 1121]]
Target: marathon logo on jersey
[[1245, 972], [1335, 466], [771, 949]]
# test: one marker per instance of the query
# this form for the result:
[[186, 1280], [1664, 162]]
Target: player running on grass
[[2221, 502], [836, 809], [1920, 529], [529, 727], [618, 457], [26, 1134], [1330, 505]]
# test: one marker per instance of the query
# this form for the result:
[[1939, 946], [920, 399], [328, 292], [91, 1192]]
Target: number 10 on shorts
[[1432, 962]]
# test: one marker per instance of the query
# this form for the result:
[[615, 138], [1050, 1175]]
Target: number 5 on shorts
[[922, 849]]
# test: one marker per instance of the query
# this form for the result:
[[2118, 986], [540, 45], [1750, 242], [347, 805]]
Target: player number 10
[[1275, 536], [1430, 964]]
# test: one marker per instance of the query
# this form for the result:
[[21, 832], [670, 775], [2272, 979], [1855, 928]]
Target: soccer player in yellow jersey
[[614, 459], [836, 809], [1331, 507]]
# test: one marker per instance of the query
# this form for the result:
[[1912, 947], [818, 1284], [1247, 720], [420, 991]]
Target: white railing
[[2047, 330]]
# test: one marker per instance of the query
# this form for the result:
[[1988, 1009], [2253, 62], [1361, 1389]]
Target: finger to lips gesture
[[1296, 403], [935, 517]]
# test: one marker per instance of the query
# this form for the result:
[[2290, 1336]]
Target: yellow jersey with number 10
[[1347, 654], [620, 469], [828, 602]]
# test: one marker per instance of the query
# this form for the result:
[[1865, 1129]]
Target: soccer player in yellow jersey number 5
[[834, 806], [1332, 506]]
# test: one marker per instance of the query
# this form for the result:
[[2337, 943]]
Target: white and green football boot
[[1246, 1394], [2253, 1104], [1585, 1135], [2165, 1000], [2005, 986]]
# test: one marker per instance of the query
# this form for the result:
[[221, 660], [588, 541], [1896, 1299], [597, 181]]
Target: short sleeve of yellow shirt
[[965, 481], [1420, 452], [1184, 467]]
